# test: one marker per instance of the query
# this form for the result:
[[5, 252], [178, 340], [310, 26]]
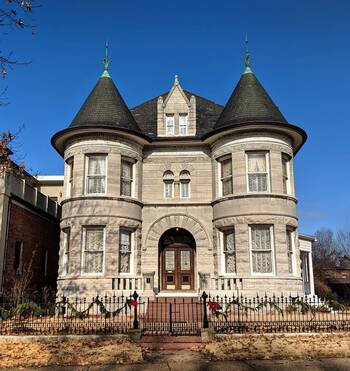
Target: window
[[226, 176], [70, 168], [125, 250], [261, 248], [126, 177], [185, 179], [93, 250], [183, 121], [286, 173], [169, 124], [168, 179], [17, 262], [66, 251], [229, 251], [290, 250], [257, 172], [96, 174]]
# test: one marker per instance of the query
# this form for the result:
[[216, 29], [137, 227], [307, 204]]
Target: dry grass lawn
[[280, 346], [78, 352]]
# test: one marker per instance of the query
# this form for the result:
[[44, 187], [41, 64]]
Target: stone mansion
[[180, 195]]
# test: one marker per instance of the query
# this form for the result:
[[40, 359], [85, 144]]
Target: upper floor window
[[126, 179], [66, 251], [168, 179], [70, 168], [286, 173], [261, 239], [169, 124], [290, 250], [185, 179], [183, 123], [93, 250], [258, 172], [95, 181], [226, 175], [125, 250], [229, 250]]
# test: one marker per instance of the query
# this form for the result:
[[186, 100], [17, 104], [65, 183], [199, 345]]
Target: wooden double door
[[177, 267]]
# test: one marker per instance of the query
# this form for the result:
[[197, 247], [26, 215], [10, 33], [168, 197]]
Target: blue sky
[[300, 53]]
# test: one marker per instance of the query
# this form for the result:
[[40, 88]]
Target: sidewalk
[[184, 360]]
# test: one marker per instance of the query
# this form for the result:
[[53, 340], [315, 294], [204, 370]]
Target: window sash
[[126, 178], [226, 176], [261, 248], [185, 189], [168, 188], [125, 250], [183, 123], [257, 172], [96, 174], [229, 251], [93, 250], [169, 124]]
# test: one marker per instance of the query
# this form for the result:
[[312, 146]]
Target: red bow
[[213, 305], [132, 303]]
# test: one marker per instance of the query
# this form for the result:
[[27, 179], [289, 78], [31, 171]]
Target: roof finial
[[105, 63], [247, 57], [176, 82]]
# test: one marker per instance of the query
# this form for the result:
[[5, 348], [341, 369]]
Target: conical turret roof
[[105, 107], [249, 102]]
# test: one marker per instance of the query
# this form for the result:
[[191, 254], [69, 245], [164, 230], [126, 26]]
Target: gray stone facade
[[205, 212]]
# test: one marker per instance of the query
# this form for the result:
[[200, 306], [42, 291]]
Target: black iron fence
[[173, 316]]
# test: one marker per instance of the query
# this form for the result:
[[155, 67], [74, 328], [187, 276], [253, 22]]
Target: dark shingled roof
[[207, 113], [105, 107], [249, 102]]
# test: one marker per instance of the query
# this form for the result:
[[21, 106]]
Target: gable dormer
[[176, 114]]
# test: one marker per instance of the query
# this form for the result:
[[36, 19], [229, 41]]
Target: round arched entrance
[[177, 252]]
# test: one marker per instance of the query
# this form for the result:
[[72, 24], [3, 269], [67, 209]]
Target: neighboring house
[[29, 234], [51, 185], [339, 278], [181, 194]]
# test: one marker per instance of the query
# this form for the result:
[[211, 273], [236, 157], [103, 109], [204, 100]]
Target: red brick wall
[[38, 233]]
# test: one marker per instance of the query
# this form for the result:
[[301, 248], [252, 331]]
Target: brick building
[[29, 234]]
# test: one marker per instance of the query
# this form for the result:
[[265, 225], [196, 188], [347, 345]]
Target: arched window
[[185, 179], [168, 179]]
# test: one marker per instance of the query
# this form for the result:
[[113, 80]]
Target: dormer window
[[183, 122], [170, 124]]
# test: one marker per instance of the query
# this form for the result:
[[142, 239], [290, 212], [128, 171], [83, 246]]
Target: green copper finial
[[247, 57], [105, 63]]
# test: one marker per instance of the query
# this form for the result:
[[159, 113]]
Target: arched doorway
[[176, 260]]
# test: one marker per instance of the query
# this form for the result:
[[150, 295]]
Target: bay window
[[93, 250], [258, 179], [261, 240], [95, 181]]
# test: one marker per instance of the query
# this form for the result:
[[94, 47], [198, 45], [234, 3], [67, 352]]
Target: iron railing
[[173, 316]]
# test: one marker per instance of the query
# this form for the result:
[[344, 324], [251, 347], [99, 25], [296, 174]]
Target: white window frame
[[133, 176], [70, 174], [222, 252], [267, 162], [272, 239], [132, 252], [167, 127], [86, 175], [185, 126], [220, 182], [290, 234], [287, 159], [66, 251], [82, 270]]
